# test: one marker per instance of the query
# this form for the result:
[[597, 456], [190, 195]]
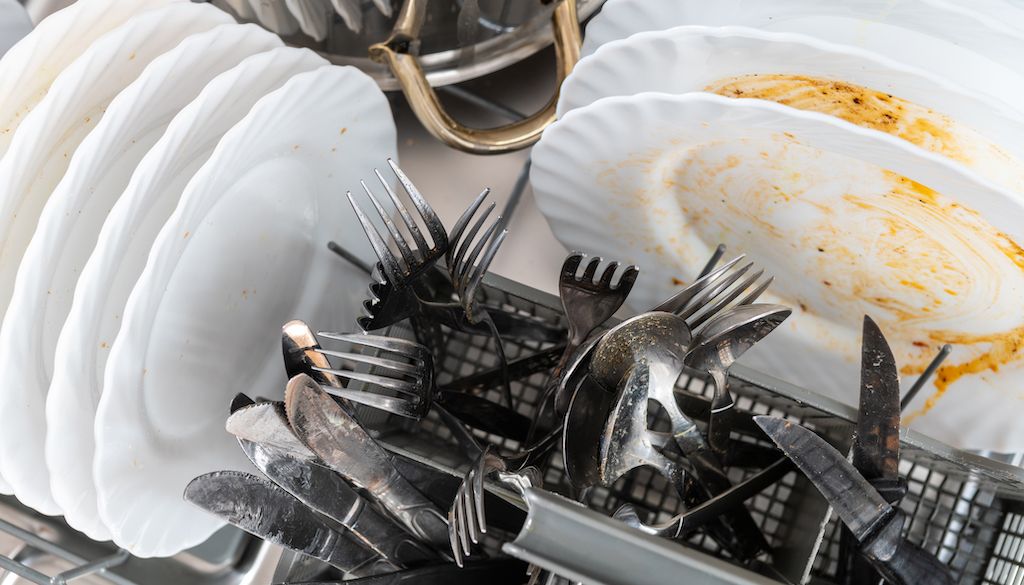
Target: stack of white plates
[[168, 182], [867, 153]]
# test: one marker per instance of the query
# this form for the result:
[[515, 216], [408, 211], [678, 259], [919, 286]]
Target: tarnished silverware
[[261, 508], [343, 445], [587, 303], [718, 345], [325, 492], [658, 343], [874, 523], [413, 262]]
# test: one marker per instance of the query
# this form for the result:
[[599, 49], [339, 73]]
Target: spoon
[[648, 352], [718, 345]]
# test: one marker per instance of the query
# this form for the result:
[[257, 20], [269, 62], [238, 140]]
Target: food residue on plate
[[843, 238]]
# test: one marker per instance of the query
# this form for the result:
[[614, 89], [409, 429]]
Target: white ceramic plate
[[244, 252], [47, 138], [274, 15], [921, 33], [829, 208], [118, 259], [314, 16], [70, 221], [28, 69], [941, 117]]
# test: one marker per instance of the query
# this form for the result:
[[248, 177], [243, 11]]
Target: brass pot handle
[[406, 68]]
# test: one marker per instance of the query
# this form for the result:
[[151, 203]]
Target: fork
[[400, 366], [413, 263], [467, 518], [467, 265]]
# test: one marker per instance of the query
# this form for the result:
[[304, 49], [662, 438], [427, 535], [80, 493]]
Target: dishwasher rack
[[967, 509]]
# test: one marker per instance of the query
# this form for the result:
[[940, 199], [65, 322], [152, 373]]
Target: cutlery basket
[[967, 509]]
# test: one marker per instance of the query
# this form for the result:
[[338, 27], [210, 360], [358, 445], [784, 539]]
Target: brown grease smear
[[858, 105]]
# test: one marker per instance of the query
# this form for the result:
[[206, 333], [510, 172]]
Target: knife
[[876, 442], [344, 446], [268, 512], [266, 423], [875, 524], [325, 492]]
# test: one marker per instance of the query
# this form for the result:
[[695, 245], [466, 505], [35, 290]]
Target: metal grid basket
[[967, 509]]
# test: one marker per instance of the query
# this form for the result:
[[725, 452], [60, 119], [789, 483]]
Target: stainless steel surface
[[325, 492], [659, 342], [586, 546], [413, 262], [506, 32], [717, 347], [396, 367], [266, 423], [267, 511], [851, 496], [587, 303], [876, 444], [343, 444]]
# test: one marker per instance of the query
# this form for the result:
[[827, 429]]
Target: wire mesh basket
[[967, 509], [963, 507]]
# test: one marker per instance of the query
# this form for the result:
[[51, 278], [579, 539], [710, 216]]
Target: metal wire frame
[[963, 508]]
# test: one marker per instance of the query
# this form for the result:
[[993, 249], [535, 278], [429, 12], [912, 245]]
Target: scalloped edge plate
[[174, 367], [119, 257], [921, 33], [70, 221], [29, 68], [689, 58], [590, 182], [40, 153]]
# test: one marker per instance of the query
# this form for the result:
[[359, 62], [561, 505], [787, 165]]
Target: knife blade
[[325, 492], [266, 423], [876, 445], [344, 446], [268, 512], [872, 521], [876, 442]]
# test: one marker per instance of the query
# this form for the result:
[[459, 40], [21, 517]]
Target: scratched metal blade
[[876, 446], [267, 511], [850, 495]]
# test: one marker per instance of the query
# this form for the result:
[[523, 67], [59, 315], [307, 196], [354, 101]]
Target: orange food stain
[[858, 105]]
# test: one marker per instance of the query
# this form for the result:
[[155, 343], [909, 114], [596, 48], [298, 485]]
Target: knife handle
[[413, 509], [901, 562]]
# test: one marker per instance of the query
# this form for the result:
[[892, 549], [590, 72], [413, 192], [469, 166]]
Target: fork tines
[[413, 261], [468, 263], [572, 263], [717, 290], [400, 366]]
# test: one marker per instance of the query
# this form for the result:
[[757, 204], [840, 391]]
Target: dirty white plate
[[43, 146], [119, 257], [804, 72], [70, 221], [29, 67], [957, 45], [850, 221], [244, 252]]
